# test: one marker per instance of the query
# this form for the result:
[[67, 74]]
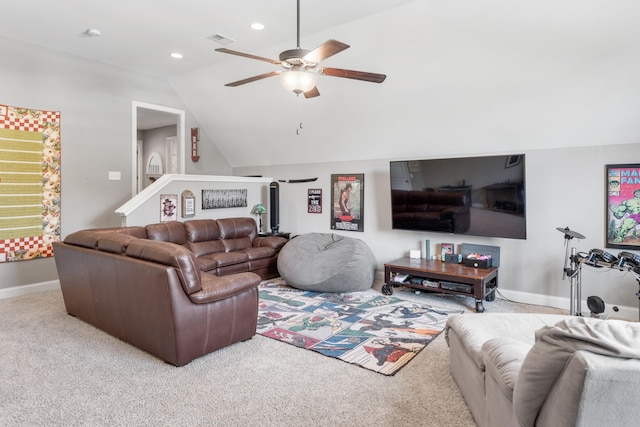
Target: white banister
[[192, 182]]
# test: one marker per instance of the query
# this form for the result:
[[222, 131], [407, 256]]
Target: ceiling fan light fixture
[[298, 80]]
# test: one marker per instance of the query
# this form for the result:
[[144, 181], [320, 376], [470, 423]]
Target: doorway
[[153, 116]]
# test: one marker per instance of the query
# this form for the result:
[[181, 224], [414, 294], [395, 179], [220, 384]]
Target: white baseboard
[[624, 312], [33, 288]]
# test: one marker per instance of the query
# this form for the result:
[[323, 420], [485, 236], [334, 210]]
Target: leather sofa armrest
[[274, 242], [216, 288]]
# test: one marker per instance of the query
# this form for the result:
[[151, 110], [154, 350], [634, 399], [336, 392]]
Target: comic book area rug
[[377, 332]]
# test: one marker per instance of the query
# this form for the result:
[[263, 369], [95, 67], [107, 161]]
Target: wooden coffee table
[[438, 276]]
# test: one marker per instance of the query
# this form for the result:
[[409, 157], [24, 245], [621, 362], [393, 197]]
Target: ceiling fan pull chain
[[298, 26]]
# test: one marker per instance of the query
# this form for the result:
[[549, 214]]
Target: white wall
[[144, 208], [95, 101], [565, 187]]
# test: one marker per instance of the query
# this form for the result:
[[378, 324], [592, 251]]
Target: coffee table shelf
[[438, 276]]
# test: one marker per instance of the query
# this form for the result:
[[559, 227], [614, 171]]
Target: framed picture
[[623, 206], [314, 200], [447, 249], [217, 199], [347, 198], [188, 204], [168, 207]]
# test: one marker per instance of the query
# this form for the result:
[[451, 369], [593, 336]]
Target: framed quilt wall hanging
[[29, 183]]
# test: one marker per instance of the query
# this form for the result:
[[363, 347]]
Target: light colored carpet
[[57, 370]]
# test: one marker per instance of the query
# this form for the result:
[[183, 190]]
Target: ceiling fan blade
[[351, 74], [312, 93], [325, 50], [247, 55], [254, 78]]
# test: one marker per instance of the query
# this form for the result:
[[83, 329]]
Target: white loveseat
[[546, 370]]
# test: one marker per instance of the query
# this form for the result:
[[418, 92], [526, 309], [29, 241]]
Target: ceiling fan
[[300, 67]]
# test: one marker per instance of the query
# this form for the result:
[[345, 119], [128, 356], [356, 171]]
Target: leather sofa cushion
[[115, 243], [233, 245], [234, 228], [172, 231], [216, 288], [170, 254], [200, 249], [275, 242], [259, 253], [203, 237], [222, 259], [202, 230], [84, 238], [89, 238]]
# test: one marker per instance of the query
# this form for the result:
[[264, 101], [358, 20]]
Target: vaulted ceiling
[[461, 73]]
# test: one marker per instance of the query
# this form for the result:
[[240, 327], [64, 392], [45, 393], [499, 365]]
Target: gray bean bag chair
[[325, 262]]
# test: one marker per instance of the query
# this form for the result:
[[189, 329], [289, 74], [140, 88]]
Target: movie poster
[[314, 200], [623, 206], [347, 197]]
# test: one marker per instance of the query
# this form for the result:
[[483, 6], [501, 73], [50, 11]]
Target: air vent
[[224, 40]]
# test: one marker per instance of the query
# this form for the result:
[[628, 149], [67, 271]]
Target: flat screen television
[[476, 196]]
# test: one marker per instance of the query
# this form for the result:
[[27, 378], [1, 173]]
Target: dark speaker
[[453, 258], [274, 207]]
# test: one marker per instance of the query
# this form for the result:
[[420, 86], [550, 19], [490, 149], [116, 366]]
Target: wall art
[[623, 206], [168, 207], [188, 204], [314, 200], [217, 199], [347, 198], [30, 175]]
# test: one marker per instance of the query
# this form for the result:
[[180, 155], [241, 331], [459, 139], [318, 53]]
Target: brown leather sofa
[[223, 246], [431, 210], [177, 299]]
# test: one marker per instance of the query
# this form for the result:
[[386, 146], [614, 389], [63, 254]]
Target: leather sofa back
[[162, 252], [115, 243], [89, 238], [169, 254], [203, 237], [172, 232], [237, 233]]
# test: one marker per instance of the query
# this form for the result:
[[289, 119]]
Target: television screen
[[476, 196]]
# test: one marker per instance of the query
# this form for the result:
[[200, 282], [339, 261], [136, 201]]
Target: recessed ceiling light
[[94, 32], [176, 55], [257, 26]]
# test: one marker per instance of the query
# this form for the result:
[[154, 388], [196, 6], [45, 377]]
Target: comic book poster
[[623, 206], [347, 198]]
